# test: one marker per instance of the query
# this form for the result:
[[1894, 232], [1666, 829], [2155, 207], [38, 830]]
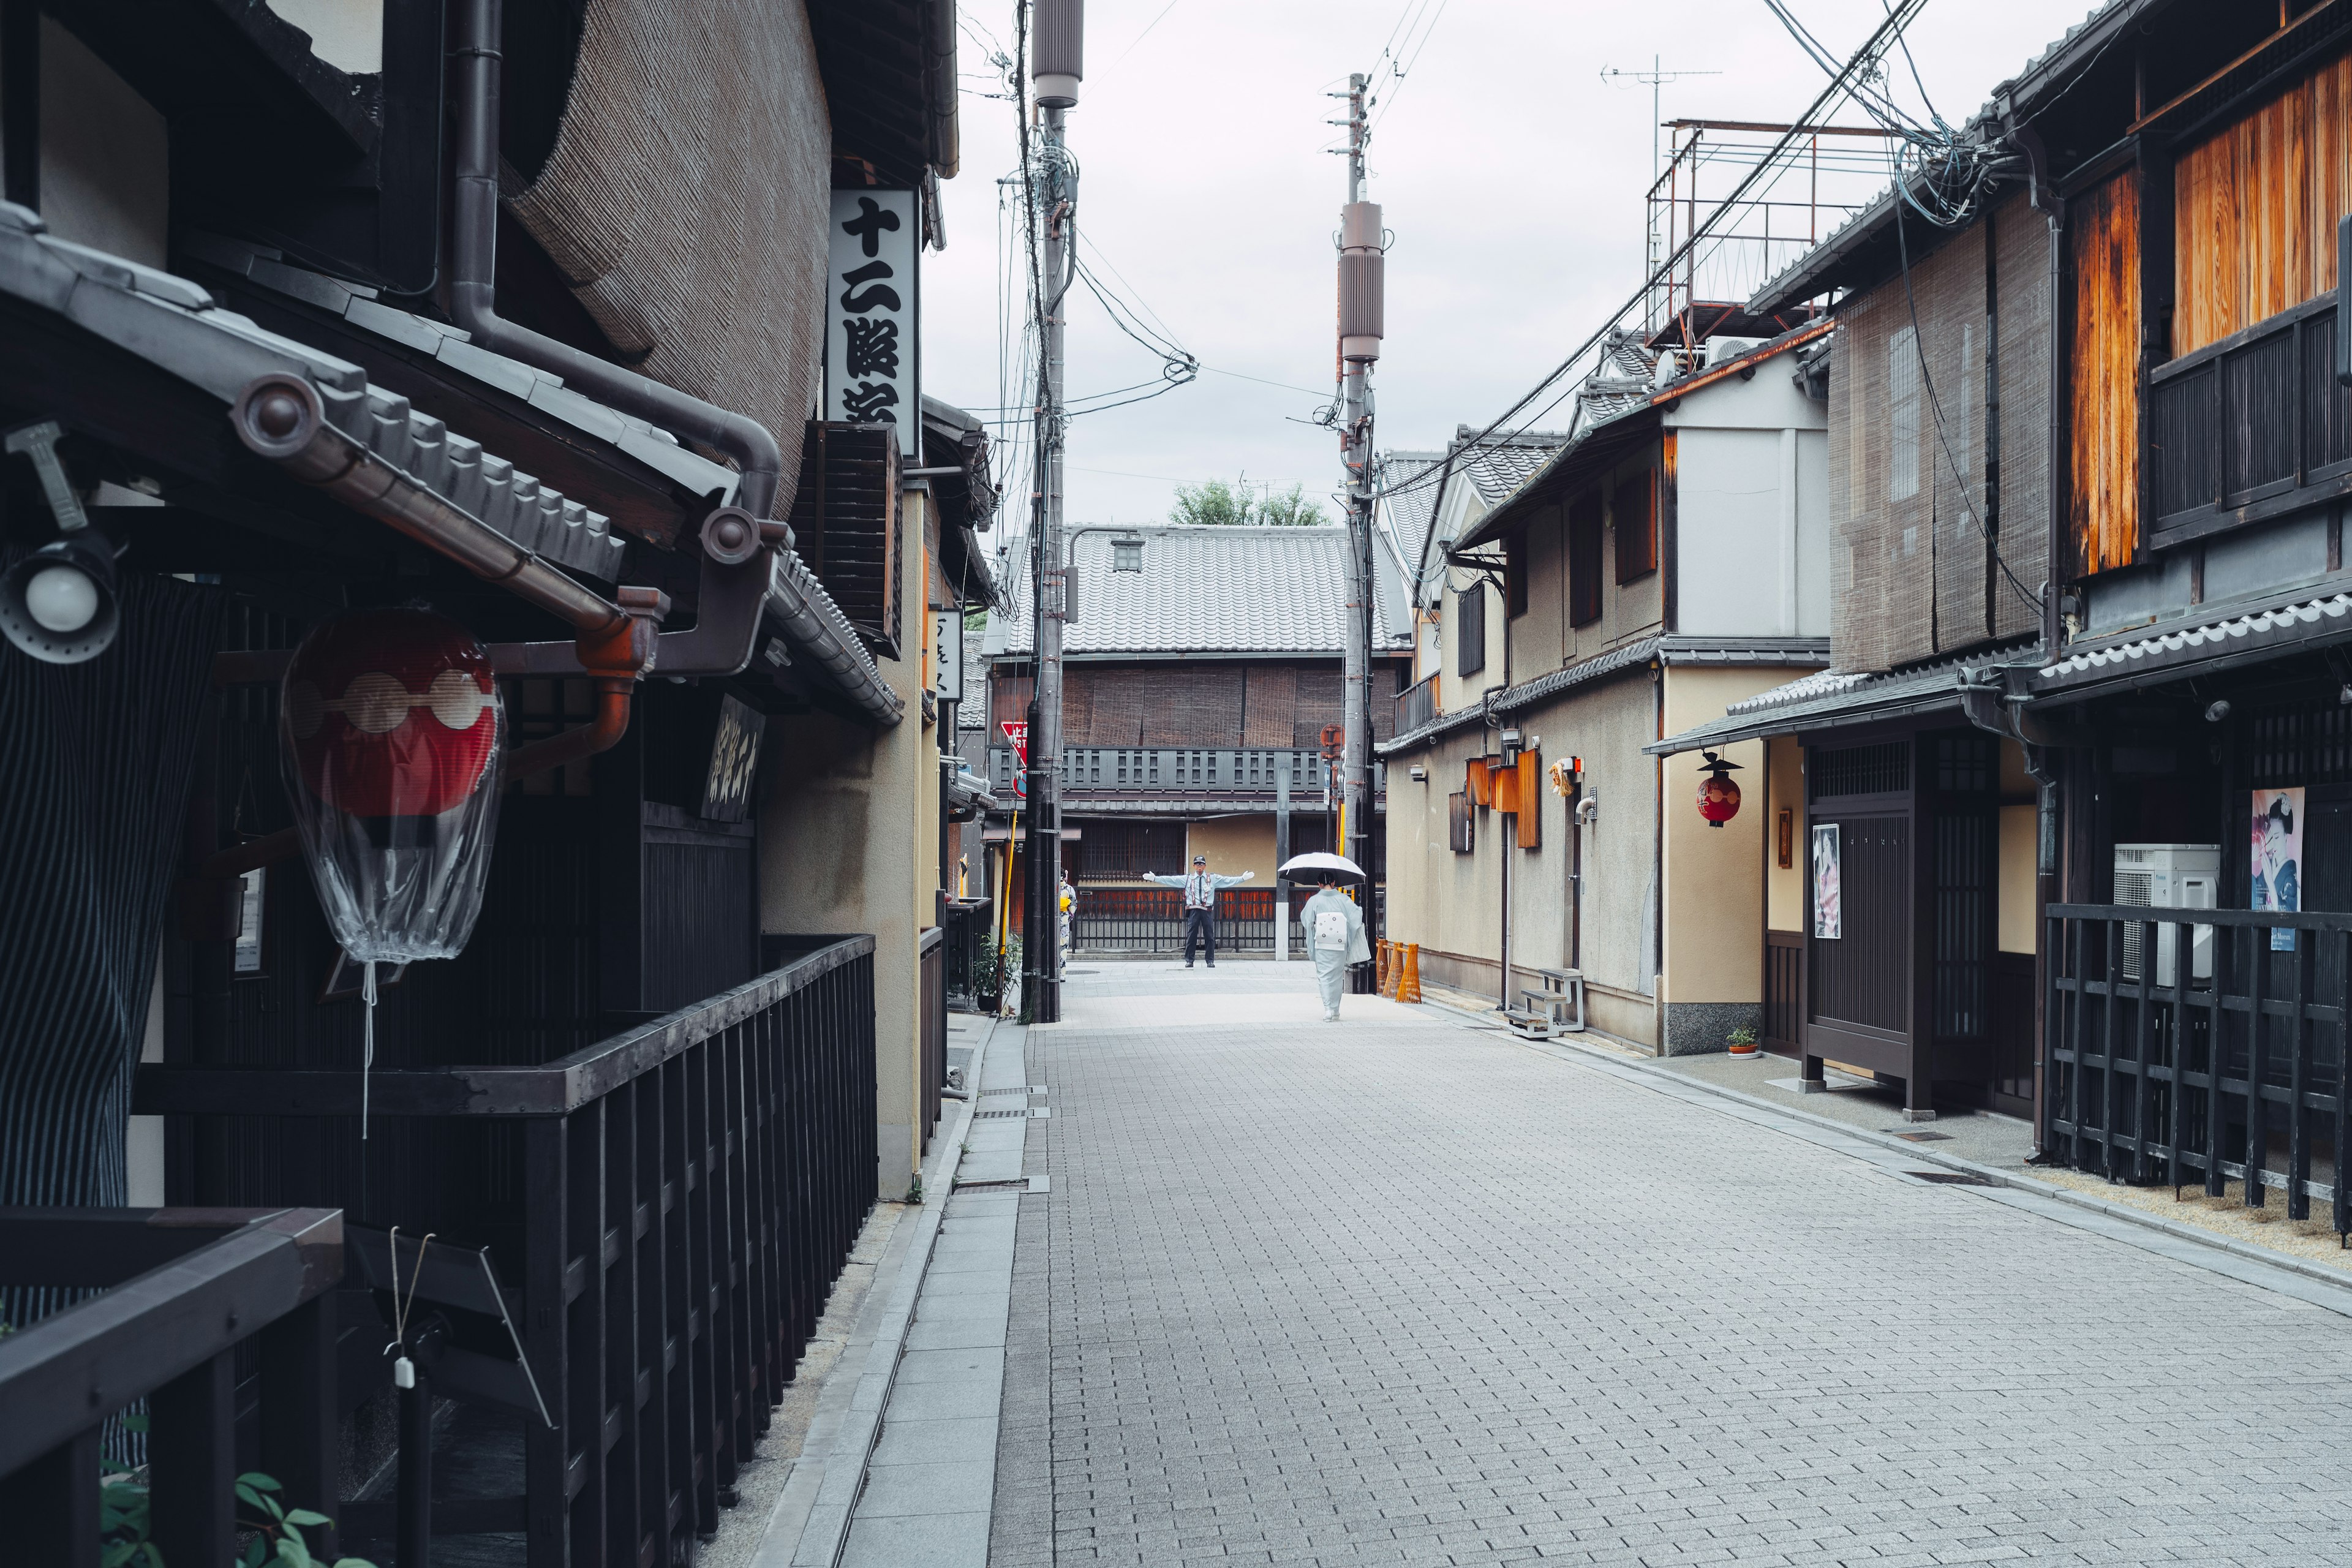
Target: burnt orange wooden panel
[[1479, 783], [2103, 360], [1505, 783], [1530, 782], [2256, 205]]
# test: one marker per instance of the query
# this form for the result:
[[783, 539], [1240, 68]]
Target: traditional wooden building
[[444, 309], [1581, 596], [1203, 664], [2086, 660]]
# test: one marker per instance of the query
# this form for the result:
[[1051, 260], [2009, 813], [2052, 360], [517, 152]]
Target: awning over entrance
[[2151, 655], [1837, 699]]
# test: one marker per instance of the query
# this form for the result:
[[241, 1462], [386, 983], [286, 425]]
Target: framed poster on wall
[[2277, 850], [1828, 890]]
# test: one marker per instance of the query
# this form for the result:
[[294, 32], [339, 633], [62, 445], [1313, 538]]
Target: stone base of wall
[[1695, 1027]]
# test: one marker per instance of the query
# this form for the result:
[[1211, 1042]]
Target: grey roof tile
[[1203, 589]]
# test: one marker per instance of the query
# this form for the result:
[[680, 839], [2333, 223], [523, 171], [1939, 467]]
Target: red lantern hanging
[[1718, 796], [389, 730]]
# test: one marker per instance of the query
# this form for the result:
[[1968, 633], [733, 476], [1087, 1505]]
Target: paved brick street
[[1405, 1291]]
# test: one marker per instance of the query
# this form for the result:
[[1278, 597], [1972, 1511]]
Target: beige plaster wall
[[1452, 904], [1234, 844], [849, 842], [1784, 891], [2018, 926], [1713, 876]]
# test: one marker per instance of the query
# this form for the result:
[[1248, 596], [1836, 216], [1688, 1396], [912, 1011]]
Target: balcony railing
[[683, 1195], [1178, 771], [2243, 427], [179, 1294], [1416, 705], [2220, 1061]]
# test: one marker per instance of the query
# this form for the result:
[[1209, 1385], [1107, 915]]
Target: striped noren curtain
[[94, 775]]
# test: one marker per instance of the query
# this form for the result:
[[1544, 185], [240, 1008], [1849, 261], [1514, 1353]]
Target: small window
[[1470, 629], [1126, 556], [1515, 571], [1459, 825], [1637, 526], [1584, 562]]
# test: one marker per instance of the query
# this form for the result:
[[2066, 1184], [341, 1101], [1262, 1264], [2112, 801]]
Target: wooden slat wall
[[1318, 704], [1954, 320], [1269, 713], [2021, 305], [2103, 367], [2256, 209], [1211, 704]]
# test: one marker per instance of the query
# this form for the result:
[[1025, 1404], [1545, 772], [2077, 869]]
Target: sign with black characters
[[871, 371]]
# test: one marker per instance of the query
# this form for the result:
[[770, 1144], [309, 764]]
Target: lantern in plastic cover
[[1718, 796], [389, 730]]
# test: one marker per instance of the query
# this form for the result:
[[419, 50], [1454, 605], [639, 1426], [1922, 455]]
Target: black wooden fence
[[931, 959], [686, 1193], [2176, 1060], [178, 1294], [1151, 919]]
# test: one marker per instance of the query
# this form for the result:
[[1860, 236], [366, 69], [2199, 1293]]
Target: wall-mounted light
[[1418, 773], [58, 603], [2217, 711]]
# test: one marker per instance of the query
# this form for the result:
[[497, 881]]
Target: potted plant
[[1742, 1043], [989, 971]]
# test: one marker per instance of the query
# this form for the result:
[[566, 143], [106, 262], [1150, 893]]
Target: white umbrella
[[1303, 867]]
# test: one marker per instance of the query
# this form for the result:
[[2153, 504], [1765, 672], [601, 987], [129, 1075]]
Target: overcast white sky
[[1511, 176]]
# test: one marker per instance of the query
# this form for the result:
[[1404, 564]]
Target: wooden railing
[[1178, 770], [2249, 427], [179, 1292], [2189, 1069], [687, 1192], [1416, 705]]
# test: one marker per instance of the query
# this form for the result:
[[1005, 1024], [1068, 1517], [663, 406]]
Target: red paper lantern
[[1718, 796], [392, 713], [390, 730]]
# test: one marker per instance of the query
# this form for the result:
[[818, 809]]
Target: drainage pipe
[[473, 299]]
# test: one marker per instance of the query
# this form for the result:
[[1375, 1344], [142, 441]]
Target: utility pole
[[1056, 67], [1361, 266]]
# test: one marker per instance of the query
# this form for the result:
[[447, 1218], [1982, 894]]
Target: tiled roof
[[1501, 464], [2269, 632], [1830, 698], [1202, 589], [1408, 509]]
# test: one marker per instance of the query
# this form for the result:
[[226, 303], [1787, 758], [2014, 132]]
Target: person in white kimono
[[1334, 928]]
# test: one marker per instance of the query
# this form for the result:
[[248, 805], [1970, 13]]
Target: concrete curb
[[810, 1524], [1635, 1071]]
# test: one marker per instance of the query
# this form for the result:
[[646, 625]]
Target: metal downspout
[[728, 612], [473, 293]]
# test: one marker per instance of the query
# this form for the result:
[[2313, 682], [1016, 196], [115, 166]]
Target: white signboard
[[947, 639], [871, 374]]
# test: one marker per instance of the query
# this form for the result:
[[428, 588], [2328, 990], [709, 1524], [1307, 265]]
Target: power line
[[1896, 20]]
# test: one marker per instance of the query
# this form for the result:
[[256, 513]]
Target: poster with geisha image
[[2277, 851], [1828, 882]]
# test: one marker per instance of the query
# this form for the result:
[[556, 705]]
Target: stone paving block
[[935, 1541], [1414, 1294], [952, 1486]]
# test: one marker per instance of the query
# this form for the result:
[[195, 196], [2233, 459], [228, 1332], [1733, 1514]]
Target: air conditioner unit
[[2169, 876], [1721, 351]]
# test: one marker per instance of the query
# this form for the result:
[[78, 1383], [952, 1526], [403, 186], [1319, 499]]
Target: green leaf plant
[[272, 1532]]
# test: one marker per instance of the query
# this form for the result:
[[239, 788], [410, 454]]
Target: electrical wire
[[1879, 39]]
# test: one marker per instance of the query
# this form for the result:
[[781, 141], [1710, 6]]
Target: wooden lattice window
[[1460, 823], [1470, 629], [1584, 532]]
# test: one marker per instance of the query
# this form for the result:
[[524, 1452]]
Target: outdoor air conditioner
[[2169, 876]]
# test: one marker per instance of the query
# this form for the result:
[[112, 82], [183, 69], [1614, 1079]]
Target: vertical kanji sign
[[870, 364]]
